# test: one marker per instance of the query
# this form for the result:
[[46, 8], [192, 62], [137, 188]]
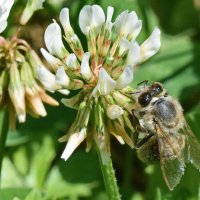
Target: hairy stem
[[109, 178]]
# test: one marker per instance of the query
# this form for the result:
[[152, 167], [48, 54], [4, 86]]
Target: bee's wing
[[193, 146], [172, 162]]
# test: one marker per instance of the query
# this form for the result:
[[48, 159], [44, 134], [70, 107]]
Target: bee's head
[[146, 95]]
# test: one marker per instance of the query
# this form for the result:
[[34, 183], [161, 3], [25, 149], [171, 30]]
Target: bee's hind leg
[[144, 140]]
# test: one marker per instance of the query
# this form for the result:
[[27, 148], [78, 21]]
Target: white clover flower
[[101, 75], [5, 7]]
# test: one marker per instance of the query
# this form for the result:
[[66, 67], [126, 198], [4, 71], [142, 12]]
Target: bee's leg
[[136, 125], [144, 140]]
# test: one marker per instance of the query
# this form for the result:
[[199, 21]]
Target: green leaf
[[14, 193], [36, 194], [10, 177], [43, 156], [59, 188]]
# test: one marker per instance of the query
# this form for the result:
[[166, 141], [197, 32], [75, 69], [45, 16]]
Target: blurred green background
[[32, 168]]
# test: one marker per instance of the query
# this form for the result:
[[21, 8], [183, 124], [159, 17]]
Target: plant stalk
[[3, 136], [109, 178]]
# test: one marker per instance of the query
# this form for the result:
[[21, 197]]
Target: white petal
[[5, 6], [105, 84], [53, 40], [127, 23], [109, 24], [61, 77], [125, 78], [120, 21], [151, 45], [55, 62], [29, 10], [74, 38], [91, 17], [133, 54], [3, 25], [47, 79], [119, 138], [102, 141], [22, 118], [110, 11], [71, 61], [18, 101], [124, 45], [74, 141], [64, 19], [130, 23], [64, 91], [85, 68], [136, 30], [114, 111]]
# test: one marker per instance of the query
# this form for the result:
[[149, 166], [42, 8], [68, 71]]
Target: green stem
[[109, 178], [3, 135]]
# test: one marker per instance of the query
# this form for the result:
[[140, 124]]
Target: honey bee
[[166, 137]]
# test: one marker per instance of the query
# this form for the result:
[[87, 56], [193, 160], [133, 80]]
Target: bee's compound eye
[[144, 99], [156, 89]]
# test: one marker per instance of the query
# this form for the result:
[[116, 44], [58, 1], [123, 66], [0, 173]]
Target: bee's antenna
[[143, 82]]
